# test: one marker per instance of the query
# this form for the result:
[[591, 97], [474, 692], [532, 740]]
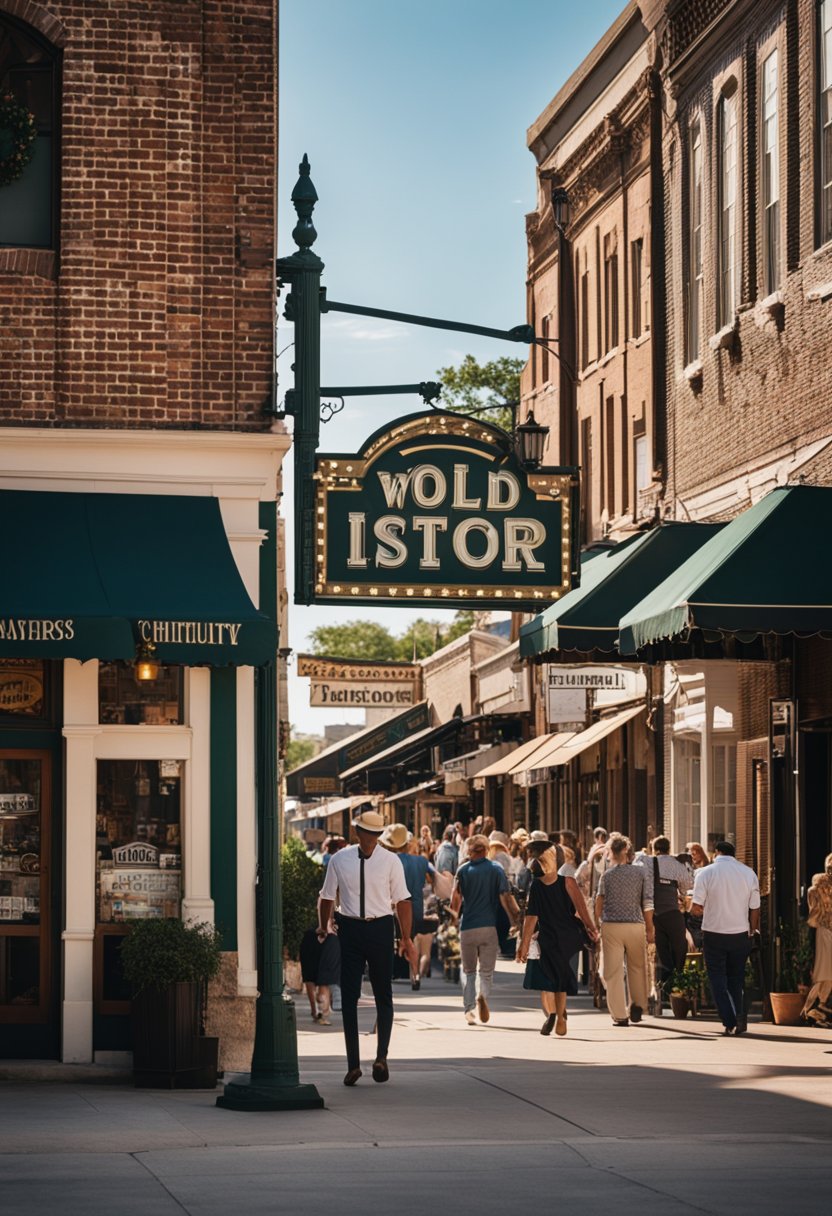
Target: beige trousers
[[620, 941]]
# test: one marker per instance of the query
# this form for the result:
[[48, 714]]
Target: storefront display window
[[22, 689], [124, 700], [138, 844], [24, 921]]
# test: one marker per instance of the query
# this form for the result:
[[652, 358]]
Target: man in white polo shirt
[[367, 882], [726, 894]]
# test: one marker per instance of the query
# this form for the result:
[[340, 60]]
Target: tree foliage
[[298, 751], [471, 386], [367, 640]]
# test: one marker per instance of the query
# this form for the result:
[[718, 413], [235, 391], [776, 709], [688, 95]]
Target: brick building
[[734, 188], [137, 304]]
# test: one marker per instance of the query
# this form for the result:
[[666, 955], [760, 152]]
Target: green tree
[[298, 751], [424, 637], [354, 640], [472, 386]]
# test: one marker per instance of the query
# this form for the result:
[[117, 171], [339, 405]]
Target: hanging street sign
[[437, 510], [341, 695]]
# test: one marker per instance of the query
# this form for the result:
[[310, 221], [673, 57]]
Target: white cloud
[[359, 331]]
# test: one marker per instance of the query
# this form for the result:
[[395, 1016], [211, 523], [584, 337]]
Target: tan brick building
[[137, 301]]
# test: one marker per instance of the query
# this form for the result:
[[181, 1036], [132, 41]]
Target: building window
[[687, 789], [637, 286], [123, 700], [585, 318], [544, 352], [610, 292], [586, 478], [640, 456], [825, 120], [722, 808], [28, 69], [696, 280], [609, 455], [770, 167], [728, 210], [624, 448]]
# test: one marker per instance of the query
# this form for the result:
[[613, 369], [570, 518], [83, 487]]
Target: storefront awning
[[399, 752], [762, 573], [505, 765], [424, 787], [538, 759], [554, 755], [612, 581], [90, 576], [462, 768]]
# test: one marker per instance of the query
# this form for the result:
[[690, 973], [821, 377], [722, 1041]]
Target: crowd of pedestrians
[[631, 918]]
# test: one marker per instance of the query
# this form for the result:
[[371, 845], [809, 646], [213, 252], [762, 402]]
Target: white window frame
[[770, 176], [696, 259], [728, 208]]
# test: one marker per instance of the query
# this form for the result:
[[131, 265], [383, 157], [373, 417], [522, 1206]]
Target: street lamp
[[529, 439], [560, 207]]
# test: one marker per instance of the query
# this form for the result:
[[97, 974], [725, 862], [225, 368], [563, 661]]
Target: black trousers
[[370, 943], [671, 942], [725, 955]]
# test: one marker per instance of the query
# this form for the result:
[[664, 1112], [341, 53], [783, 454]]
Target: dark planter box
[[168, 1051]]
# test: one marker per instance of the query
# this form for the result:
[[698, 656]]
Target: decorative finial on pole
[[304, 198]]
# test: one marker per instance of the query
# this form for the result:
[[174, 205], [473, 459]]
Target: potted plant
[[685, 990], [301, 878], [168, 964], [794, 967]]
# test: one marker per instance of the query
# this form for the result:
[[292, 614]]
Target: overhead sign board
[[358, 670], [340, 694], [436, 510], [609, 684]]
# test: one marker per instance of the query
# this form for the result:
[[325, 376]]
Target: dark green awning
[[612, 581], [762, 573], [89, 576]]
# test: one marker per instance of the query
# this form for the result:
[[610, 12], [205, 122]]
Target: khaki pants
[[478, 948], [620, 940]]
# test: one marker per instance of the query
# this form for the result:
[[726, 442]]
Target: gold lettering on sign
[[13, 629], [200, 633]]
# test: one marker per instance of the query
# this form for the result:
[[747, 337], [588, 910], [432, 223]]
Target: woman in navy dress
[[553, 910]]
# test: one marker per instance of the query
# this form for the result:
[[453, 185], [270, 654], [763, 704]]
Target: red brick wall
[[773, 391], [158, 309]]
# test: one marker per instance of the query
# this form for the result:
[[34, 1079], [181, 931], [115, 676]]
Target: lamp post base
[[268, 1095]]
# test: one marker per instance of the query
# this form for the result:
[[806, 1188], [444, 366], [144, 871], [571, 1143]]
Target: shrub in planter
[[685, 989], [794, 969], [168, 964], [301, 879]]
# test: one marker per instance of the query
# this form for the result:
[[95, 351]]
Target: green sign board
[[436, 510]]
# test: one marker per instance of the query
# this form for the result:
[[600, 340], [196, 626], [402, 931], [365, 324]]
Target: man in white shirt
[[726, 894], [367, 882]]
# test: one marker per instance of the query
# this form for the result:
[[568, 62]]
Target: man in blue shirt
[[417, 872], [447, 855], [480, 887]]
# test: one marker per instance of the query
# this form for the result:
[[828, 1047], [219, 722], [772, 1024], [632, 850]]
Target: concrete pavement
[[666, 1117]]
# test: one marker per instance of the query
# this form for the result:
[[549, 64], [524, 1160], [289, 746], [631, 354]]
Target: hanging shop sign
[[324, 694], [609, 685], [437, 510], [357, 670]]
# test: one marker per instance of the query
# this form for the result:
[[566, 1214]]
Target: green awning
[[89, 576], [762, 573], [612, 581]]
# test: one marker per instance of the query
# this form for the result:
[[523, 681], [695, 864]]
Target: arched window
[[28, 72]]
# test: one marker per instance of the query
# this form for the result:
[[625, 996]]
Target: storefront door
[[27, 1005]]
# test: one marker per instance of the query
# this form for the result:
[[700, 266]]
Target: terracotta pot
[[786, 1007], [680, 1005]]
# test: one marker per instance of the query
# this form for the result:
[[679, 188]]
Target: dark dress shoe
[[352, 1076], [741, 1026], [729, 1030], [549, 1025], [415, 985], [621, 1022], [380, 1071], [635, 1013]]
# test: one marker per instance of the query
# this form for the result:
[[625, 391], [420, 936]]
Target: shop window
[[24, 921], [696, 272], [22, 689], [124, 700], [825, 120], [722, 808], [138, 839], [688, 791], [728, 213], [770, 170], [28, 71]]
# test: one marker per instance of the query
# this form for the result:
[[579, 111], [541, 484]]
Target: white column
[[246, 836], [197, 903], [80, 731]]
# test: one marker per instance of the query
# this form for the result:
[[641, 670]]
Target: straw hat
[[499, 838], [370, 821], [520, 836], [538, 835], [396, 836]]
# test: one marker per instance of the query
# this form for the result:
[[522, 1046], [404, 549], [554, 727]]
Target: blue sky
[[414, 117]]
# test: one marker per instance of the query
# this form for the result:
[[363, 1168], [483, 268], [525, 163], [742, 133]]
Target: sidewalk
[[666, 1117]]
